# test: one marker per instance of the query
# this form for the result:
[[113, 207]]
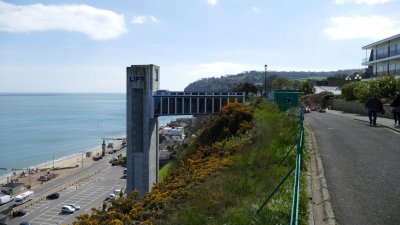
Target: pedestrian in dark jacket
[[374, 105], [396, 110]]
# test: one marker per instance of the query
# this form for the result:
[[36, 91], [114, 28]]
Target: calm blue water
[[34, 127]]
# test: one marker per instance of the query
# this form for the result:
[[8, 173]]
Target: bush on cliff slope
[[224, 180]]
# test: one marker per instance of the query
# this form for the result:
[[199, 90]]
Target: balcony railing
[[394, 53], [382, 56]]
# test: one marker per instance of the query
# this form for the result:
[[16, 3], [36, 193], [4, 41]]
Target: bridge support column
[[142, 128]]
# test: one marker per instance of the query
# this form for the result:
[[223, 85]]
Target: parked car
[[110, 197], [117, 191], [5, 199], [19, 213], [25, 223], [53, 196], [97, 158], [67, 209], [75, 206]]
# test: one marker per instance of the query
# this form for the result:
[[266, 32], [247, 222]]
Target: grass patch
[[165, 170]]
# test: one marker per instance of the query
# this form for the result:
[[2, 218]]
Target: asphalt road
[[89, 193], [95, 166], [362, 168]]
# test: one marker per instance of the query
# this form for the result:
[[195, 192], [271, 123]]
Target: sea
[[36, 129]]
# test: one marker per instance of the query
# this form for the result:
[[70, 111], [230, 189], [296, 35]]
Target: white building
[[334, 90], [383, 56], [173, 132]]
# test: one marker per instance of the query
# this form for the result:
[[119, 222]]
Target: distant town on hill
[[225, 83]]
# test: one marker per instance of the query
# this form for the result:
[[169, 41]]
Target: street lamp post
[[82, 157], [265, 80]]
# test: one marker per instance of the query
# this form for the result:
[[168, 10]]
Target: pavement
[[320, 207], [385, 122]]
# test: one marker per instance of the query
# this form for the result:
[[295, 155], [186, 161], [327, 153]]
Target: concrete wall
[[358, 108]]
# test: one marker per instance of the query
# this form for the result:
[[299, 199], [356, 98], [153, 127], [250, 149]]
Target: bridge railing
[[297, 167], [193, 103]]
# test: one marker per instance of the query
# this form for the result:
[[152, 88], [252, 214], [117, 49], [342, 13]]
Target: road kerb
[[322, 211]]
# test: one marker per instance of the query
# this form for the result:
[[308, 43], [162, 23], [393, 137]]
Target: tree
[[307, 87], [247, 88], [281, 83]]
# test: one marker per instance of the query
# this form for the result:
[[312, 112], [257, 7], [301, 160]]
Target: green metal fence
[[297, 167]]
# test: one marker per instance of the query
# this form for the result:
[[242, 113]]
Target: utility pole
[[53, 165], [82, 158], [265, 80]]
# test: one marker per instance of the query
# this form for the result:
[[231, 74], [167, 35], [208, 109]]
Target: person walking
[[396, 110], [374, 105]]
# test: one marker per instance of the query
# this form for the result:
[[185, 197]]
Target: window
[[392, 68], [393, 49], [380, 53], [157, 74]]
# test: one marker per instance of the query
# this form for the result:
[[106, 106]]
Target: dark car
[[19, 213], [25, 223], [53, 196]]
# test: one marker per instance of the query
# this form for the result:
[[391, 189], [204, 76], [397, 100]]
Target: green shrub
[[384, 87], [363, 90], [348, 91]]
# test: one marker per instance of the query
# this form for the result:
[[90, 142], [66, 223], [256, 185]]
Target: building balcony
[[382, 57]]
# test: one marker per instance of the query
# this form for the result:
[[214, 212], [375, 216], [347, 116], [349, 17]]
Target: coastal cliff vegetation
[[222, 176], [226, 82]]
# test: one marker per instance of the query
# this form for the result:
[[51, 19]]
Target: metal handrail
[[296, 189], [294, 218]]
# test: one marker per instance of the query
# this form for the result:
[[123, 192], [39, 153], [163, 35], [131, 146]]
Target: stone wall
[[358, 108]]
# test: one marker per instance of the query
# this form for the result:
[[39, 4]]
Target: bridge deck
[[192, 103]]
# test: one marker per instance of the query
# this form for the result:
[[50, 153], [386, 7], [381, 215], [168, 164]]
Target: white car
[[67, 209], [75, 206], [111, 196], [117, 191]]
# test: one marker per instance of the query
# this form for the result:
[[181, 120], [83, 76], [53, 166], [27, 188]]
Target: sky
[[85, 46]]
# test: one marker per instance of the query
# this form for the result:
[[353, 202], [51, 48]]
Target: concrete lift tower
[[142, 128]]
